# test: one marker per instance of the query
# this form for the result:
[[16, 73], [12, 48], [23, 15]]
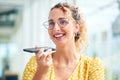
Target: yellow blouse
[[87, 69]]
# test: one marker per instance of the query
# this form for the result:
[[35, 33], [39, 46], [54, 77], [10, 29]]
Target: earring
[[77, 35]]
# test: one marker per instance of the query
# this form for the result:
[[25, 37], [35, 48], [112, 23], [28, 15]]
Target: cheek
[[50, 33], [70, 32]]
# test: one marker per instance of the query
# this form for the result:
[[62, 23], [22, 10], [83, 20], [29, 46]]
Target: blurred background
[[21, 26]]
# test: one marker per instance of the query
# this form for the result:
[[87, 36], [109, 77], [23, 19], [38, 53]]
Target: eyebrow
[[62, 18], [58, 19], [50, 20]]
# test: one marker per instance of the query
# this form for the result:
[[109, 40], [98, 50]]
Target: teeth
[[59, 35]]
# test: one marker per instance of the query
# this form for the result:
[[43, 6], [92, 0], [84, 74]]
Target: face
[[62, 28]]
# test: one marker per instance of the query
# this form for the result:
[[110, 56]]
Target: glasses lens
[[63, 22], [45, 24], [51, 24]]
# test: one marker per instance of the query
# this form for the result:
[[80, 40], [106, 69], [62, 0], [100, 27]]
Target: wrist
[[39, 76]]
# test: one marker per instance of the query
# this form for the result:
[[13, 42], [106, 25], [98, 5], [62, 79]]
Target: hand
[[44, 60]]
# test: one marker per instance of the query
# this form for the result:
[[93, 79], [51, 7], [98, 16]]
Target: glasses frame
[[46, 23]]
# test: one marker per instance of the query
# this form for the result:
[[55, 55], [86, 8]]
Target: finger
[[49, 60], [39, 54], [36, 46], [43, 55], [48, 57], [42, 49], [48, 52]]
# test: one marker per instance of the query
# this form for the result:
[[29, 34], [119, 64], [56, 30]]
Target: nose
[[56, 27]]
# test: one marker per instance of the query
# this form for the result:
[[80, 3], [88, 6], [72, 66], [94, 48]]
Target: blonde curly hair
[[81, 40]]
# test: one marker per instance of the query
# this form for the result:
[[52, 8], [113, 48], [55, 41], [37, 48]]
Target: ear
[[77, 27]]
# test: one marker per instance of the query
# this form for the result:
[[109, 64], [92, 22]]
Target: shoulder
[[93, 62], [95, 68], [96, 62]]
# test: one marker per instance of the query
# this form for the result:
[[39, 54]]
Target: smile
[[60, 35]]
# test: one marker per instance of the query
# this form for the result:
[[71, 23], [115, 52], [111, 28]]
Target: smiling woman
[[67, 30]]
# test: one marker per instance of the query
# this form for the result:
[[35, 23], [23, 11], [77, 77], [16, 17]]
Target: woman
[[67, 30]]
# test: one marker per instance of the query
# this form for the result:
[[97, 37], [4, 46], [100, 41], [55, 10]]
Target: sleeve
[[30, 69], [96, 70]]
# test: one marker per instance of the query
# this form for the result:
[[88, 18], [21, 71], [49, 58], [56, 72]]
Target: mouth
[[59, 35]]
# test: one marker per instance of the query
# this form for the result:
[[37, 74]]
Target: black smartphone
[[35, 50]]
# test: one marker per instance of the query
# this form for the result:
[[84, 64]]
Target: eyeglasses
[[50, 24]]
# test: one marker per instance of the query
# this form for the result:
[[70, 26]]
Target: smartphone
[[35, 50]]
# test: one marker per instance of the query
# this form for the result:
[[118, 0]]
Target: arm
[[96, 70], [43, 60], [37, 67], [31, 72]]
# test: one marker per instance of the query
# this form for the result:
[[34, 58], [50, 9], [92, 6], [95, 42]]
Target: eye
[[51, 24], [63, 22]]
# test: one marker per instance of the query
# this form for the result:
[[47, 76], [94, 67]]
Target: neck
[[66, 55]]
